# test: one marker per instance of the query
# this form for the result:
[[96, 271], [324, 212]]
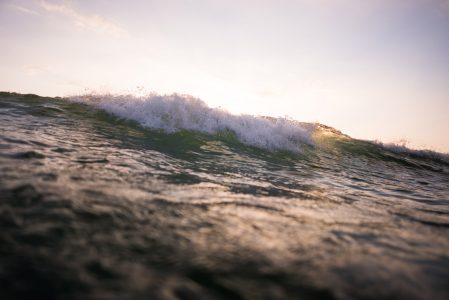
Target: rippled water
[[95, 207]]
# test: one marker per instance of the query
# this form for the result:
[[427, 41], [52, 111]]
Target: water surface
[[93, 206]]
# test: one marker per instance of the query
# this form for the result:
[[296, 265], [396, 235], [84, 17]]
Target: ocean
[[163, 197]]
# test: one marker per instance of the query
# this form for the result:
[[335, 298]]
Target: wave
[[173, 113], [416, 153]]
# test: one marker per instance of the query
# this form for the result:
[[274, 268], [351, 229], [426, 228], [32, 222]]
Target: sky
[[374, 69]]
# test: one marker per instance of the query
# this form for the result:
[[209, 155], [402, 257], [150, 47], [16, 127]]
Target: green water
[[97, 207]]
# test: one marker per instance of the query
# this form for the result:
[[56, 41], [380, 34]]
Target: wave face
[[162, 197]]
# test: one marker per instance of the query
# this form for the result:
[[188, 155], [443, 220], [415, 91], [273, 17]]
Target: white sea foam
[[421, 153], [178, 112]]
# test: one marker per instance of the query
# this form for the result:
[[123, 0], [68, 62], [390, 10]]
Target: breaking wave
[[174, 113]]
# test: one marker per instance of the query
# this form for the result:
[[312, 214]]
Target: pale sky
[[374, 69]]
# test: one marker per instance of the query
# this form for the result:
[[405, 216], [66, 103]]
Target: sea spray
[[175, 112]]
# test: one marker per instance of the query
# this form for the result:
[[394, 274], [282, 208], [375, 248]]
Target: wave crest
[[175, 112], [416, 153]]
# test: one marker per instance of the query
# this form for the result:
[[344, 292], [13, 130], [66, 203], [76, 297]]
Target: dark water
[[93, 207]]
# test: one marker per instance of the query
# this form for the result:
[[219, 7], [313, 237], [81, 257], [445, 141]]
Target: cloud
[[24, 9], [92, 22]]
